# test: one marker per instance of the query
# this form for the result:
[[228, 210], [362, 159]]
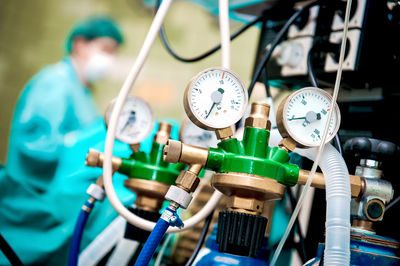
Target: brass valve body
[[149, 193], [247, 192]]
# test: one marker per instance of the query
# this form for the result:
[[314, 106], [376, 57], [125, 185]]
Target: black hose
[[279, 37], [9, 252], [167, 46], [313, 80], [201, 240], [311, 73], [302, 251]]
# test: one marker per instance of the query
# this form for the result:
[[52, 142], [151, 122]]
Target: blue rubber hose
[[152, 242], [78, 231]]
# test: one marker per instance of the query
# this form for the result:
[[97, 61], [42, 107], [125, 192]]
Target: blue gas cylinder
[[211, 256]]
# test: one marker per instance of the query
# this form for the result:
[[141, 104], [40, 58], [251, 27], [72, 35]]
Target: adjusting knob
[[369, 148], [240, 233]]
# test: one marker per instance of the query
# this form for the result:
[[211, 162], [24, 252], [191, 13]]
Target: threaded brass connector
[[259, 116], [96, 159], [176, 151], [287, 144], [187, 181], [163, 133], [224, 133]]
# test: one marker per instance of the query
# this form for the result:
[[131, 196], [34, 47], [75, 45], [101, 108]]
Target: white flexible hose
[[225, 33], [109, 145], [322, 146], [338, 197]]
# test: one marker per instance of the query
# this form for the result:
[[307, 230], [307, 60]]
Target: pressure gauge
[[191, 134], [135, 122], [302, 117], [216, 98]]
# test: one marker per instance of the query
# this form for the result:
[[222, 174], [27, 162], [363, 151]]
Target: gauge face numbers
[[135, 122], [216, 98], [191, 134], [305, 115]]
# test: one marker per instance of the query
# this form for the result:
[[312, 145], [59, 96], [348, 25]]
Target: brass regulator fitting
[[356, 182], [258, 117], [149, 176], [95, 158], [248, 172], [187, 180]]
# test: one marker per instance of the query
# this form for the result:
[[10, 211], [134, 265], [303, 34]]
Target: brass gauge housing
[[302, 116], [215, 99], [135, 122]]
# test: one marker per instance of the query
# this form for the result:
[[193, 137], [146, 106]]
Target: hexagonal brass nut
[[248, 204], [288, 144], [187, 181], [224, 133], [258, 122]]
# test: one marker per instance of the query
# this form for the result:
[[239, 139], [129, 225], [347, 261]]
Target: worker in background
[[57, 101], [38, 204]]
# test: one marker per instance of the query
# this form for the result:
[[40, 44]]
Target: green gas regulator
[[249, 172], [149, 176]]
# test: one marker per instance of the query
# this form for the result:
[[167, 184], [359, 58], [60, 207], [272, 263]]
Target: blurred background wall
[[32, 34]]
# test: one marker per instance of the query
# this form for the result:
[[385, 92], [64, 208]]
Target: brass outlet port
[[96, 159], [163, 134], [176, 151], [259, 116]]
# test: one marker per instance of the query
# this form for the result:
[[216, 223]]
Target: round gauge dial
[[302, 116], [135, 122], [191, 134], [216, 98]]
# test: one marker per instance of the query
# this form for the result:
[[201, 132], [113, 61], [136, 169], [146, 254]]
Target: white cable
[[324, 136], [225, 33], [109, 145], [162, 250]]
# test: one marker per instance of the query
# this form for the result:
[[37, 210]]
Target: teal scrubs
[[44, 182], [54, 103]]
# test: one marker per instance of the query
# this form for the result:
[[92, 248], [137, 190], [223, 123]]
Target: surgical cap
[[91, 28]]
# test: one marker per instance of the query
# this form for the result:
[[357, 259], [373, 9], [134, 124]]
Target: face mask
[[98, 65]]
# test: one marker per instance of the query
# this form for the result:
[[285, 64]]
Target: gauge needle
[[216, 97], [310, 117], [296, 118], [131, 119]]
